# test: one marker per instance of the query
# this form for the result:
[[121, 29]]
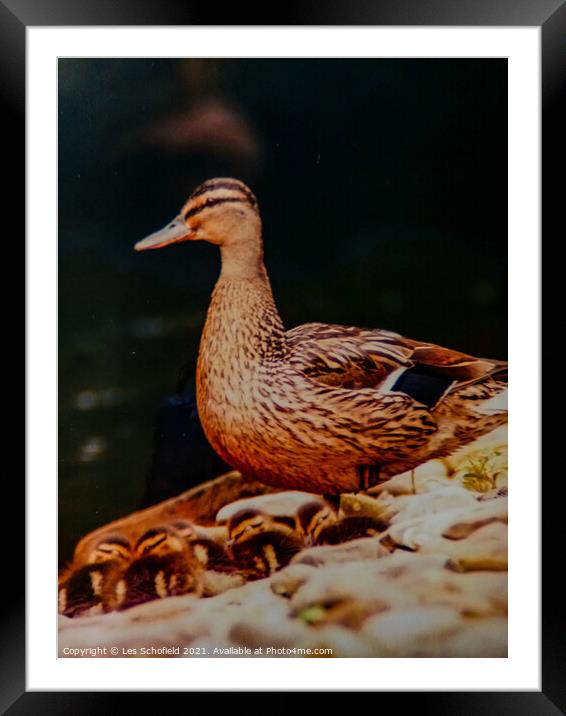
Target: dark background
[[383, 190]]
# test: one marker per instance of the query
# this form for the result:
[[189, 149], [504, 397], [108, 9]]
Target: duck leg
[[369, 476]]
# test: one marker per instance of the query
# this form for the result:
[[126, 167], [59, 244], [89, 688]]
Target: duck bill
[[174, 232]]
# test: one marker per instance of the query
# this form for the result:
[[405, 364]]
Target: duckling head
[[160, 540], [244, 524], [111, 547], [221, 211], [312, 518], [186, 530], [248, 522]]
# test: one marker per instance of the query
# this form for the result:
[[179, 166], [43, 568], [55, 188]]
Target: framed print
[[284, 434]]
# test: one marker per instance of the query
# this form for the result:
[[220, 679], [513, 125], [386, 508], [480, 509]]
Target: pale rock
[[217, 582], [364, 581], [279, 503], [429, 476], [286, 582], [434, 531], [446, 598], [343, 642], [360, 504], [416, 507], [410, 631], [271, 631], [486, 638], [364, 548]]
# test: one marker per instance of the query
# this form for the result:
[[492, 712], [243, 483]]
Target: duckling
[[250, 521], [82, 585], [111, 547], [313, 518], [162, 566], [152, 577], [322, 525], [81, 591], [210, 553], [261, 544], [350, 528], [322, 408]]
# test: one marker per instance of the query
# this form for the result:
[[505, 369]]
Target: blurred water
[[382, 186]]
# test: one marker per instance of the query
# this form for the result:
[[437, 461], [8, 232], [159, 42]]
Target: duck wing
[[354, 358], [344, 356]]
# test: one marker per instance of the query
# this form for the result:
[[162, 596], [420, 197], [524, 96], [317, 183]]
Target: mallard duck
[[321, 408]]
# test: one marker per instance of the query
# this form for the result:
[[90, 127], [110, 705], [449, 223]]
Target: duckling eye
[[152, 545]]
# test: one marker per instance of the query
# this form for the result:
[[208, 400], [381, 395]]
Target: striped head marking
[[245, 524], [158, 541], [185, 529], [109, 548], [313, 517], [220, 211]]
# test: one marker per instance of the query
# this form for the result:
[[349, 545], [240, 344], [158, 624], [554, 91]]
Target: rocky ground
[[434, 584]]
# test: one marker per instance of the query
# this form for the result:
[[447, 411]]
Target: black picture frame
[[550, 15]]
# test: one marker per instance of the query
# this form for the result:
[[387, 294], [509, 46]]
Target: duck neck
[[243, 318], [242, 260]]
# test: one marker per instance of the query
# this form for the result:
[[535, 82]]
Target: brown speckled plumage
[[310, 408]]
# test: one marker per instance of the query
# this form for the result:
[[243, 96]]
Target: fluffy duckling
[[347, 529], [313, 518], [112, 547], [81, 588], [261, 544], [322, 525], [81, 591], [163, 566], [211, 554], [251, 521]]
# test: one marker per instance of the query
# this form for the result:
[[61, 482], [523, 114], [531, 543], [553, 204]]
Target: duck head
[[221, 211]]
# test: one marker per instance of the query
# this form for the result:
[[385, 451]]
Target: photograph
[[284, 433]]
